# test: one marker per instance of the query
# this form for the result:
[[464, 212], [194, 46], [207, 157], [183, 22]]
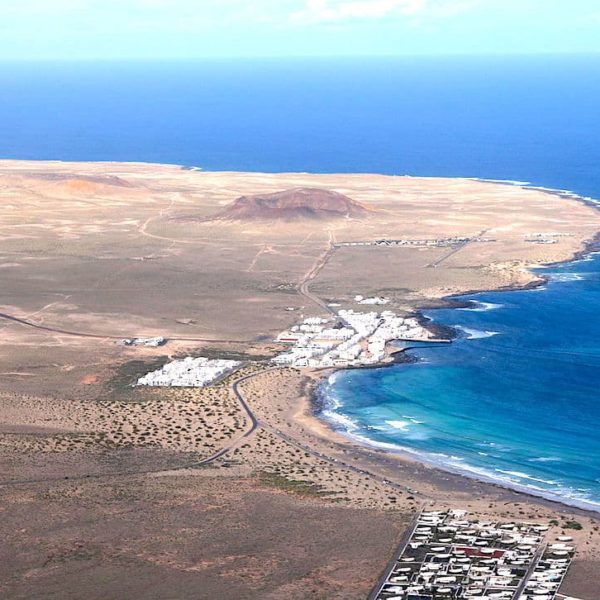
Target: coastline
[[432, 474], [453, 301], [414, 484], [316, 403]]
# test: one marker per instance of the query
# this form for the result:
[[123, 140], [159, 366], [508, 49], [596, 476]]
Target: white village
[[444, 556], [349, 338], [189, 372]]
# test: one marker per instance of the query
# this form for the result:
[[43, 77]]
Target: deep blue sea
[[519, 404]]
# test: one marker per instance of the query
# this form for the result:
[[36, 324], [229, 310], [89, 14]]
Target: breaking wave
[[476, 334], [478, 306]]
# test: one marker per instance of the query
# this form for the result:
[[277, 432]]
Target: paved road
[[454, 250], [530, 571], [303, 289], [331, 459], [392, 563], [254, 424], [100, 336]]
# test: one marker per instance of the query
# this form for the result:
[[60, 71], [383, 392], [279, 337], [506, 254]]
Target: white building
[[362, 340], [188, 372]]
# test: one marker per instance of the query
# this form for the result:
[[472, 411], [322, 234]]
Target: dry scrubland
[[107, 491]]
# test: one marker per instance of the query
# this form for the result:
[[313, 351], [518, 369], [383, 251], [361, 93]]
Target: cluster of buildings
[[545, 238], [351, 339], [375, 300], [540, 240], [448, 557], [550, 571], [151, 342], [433, 242], [189, 372]]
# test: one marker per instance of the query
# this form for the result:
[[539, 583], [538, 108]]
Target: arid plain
[[235, 490]]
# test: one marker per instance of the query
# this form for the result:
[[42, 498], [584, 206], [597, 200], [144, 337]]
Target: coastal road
[[392, 563], [332, 460], [255, 424]]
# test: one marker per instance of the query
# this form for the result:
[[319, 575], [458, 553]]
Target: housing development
[[348, 339], [189, 372], [448, 557]]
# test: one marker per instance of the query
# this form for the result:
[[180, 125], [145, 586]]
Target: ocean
[[528, 119], [515, 399]]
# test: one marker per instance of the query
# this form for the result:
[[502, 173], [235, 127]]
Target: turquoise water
[[515, 399]]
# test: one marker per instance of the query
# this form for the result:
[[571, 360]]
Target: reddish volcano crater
[[294, 204]]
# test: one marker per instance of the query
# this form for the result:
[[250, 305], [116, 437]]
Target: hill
[[293, 204]]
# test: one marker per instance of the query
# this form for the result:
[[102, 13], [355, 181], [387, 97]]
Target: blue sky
[[144, 29]]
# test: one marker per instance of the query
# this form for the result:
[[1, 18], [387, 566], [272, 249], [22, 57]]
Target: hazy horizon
[[308, 57], [184, 29]]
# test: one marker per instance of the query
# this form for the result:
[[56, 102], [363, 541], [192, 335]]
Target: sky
[[190, 29]]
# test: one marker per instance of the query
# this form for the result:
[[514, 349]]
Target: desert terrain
[[234, 490]]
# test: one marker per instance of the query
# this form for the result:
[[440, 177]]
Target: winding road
[[255, 424], [303, 290]]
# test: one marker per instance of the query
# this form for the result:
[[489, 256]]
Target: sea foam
[[479, 306], [401, 425], [476, 334]]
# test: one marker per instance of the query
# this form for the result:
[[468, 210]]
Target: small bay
[[514, 399]]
